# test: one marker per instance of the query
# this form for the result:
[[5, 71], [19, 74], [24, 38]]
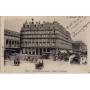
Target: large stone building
[[11, 42], [39, 38]]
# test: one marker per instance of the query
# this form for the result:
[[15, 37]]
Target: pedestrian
[[16, 60]]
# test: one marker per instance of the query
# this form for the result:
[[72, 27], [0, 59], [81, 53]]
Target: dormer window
[[28, 26]]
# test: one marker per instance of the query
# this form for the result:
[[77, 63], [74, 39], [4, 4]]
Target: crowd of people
[[71, 58]]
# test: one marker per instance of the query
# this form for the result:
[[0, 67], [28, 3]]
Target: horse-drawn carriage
[[39, 65], [75, 59]]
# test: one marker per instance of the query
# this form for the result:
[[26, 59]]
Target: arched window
[[7, 42], [25, 43], [10, 43]]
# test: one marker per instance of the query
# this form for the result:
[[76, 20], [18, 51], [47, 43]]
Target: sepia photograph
[[45, 44]]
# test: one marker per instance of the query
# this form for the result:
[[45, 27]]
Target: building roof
[[43, 26], [11, 33]]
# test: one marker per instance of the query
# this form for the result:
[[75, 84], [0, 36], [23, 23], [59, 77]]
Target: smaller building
[[11, 42], [79, 46]]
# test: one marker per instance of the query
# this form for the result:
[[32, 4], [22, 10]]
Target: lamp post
[[54, 45]]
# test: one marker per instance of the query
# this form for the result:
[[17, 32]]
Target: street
[[49, 66]]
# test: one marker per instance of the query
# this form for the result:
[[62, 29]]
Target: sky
[[15, 23]]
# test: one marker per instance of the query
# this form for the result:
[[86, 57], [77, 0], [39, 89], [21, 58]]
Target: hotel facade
[[44, 38]]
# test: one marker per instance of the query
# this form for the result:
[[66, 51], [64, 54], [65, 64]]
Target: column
[[23, 50], [27, 50], [38, 51], [35, 51]]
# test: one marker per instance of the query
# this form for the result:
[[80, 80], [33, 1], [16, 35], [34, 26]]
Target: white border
[[44, 8]]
